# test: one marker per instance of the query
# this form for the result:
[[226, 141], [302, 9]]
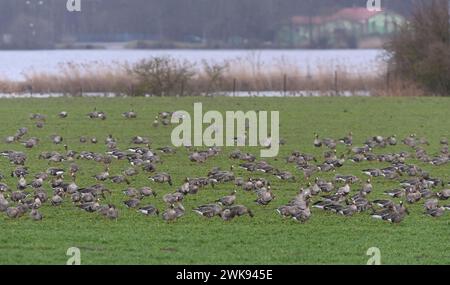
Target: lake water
[[14, 64]]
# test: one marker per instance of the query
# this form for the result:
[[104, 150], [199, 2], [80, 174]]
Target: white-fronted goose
[[209, 210], [149, 210], [161, 178], [228, 200], [35, 215]]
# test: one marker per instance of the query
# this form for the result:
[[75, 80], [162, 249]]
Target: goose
[[179, 210], [317, 142], [57, 172], [324, 185], [393, 214], [131, 171], [103, 176], [41, 194], [140, 140], [314, 189], [87, 197], [3, 187], [348, 140], [227, 215], [326, 167], [12, 212], [39, 124], [56, 200], [131, 192], [147, 191], [392, 140], [75, 197], [309, 171], [167, 149], [89, 207], [162, 178], [209, 210], [37, 183], [431, 204], [349, 179], [173, 198], [444, 194], [149, 210], [130, 115], [413, 197], [240, 210], [373, 172], [367, 187], [170, 214], [37, 116], [31, 142], [35, 215], [94, 140], [349, 210], [265, 197], [395, 193], [156, 122], [227, 200], [345, 190], [435, 212], [10, 139], [119, 179], [22, 184], [20, 172], [112, 212], [63, 114], [83, 139], [37, 203], [132, 203], [383, 203], [4, 204], [18, 196], [56, 139]]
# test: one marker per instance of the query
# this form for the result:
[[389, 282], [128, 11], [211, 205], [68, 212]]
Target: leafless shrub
[[420, 52]]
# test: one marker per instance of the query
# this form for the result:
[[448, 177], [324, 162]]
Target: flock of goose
[[344, 195]]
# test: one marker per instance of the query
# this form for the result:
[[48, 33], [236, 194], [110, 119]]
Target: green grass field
[[265, 239]]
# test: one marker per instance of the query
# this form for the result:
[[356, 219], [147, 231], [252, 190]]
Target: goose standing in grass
[[156, 122], [348, 140], [63, 114], [317, 142]]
